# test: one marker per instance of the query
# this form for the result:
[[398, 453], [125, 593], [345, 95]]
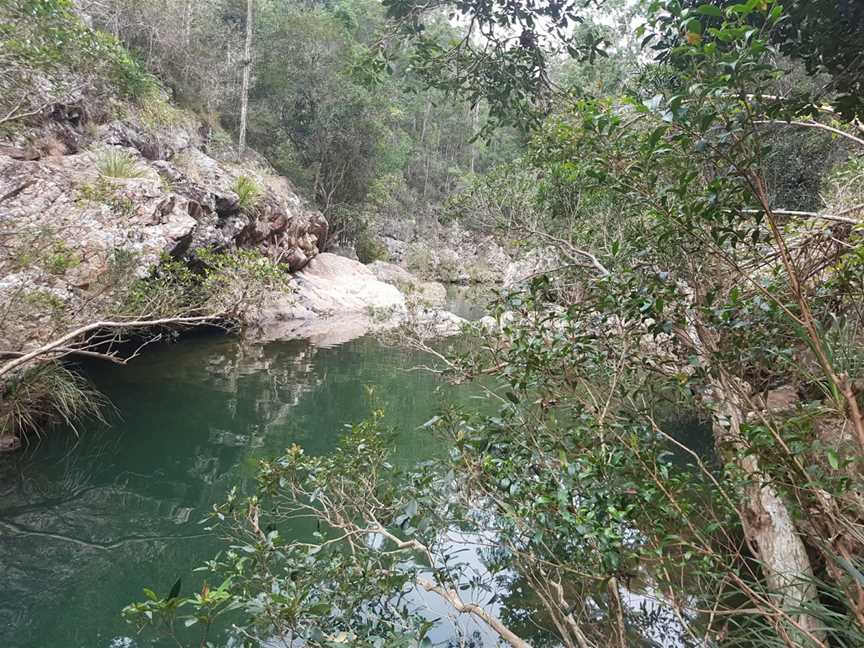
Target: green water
[[85, 523]]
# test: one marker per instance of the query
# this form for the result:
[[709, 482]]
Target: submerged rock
[[10, 443]]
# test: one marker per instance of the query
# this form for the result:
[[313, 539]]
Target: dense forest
[[682, 182]]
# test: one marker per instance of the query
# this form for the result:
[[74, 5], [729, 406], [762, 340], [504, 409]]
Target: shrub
[[248, 191], [60, 258], [369, 249], [119, 164]]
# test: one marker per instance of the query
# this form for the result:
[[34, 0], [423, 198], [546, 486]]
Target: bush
[[47, 394], [369, 249]]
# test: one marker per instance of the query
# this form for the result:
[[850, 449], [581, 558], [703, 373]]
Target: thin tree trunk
[[247, 72], [475, 122]]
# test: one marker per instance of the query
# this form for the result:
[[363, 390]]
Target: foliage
[[46, 38], [309, 591], [503, 57], [369, 249], [364, 141], [231, 284], [692, 290], [249, 192]]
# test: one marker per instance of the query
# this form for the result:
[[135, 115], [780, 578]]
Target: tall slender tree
[[247, 73]]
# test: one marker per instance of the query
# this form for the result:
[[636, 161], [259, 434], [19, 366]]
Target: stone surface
[[68, 228], [427, 292], [337, 299]]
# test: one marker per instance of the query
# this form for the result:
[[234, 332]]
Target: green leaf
[[833, 459], [175, 590], [710, 10]]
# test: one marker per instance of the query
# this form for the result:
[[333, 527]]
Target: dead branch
[[64, 340]]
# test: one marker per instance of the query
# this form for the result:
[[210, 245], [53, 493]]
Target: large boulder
[[337, 299], [333, 284]]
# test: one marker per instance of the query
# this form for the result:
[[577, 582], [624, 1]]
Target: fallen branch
[[96, 326], [838, 217]]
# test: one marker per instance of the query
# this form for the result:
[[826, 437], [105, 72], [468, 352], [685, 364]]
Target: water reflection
[[86, 522]]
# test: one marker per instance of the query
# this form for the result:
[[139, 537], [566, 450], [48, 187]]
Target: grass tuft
[[44, 395], [248, 191], [119, 164]]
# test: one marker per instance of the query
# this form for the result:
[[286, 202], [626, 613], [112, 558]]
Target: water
[[86, 523]]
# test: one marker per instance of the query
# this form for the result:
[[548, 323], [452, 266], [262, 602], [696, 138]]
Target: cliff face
[[82, 203]]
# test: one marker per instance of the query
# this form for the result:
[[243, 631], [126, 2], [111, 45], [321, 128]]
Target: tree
[[247, 73]]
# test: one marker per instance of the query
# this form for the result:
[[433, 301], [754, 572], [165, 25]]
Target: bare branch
[[96, 326]]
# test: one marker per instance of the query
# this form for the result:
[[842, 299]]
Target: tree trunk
[[767, 521], [247, 72]]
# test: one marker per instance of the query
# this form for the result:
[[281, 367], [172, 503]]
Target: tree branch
[[95, 326]]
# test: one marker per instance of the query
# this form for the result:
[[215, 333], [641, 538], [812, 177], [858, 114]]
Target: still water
[[86, 522]]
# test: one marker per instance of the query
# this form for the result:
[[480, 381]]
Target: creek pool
[[86, 522]]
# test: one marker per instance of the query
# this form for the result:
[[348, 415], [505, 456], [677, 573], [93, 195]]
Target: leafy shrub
[[227, 283], [48, 35], [249, 191], [119, 164]]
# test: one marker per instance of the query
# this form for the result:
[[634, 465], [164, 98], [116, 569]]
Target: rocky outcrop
[[448, 254], [535, 262], [125, 198], [430, 293], [333, 284]]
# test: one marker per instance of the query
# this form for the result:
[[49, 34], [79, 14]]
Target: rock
[[534, 263], [395, 248], [782, 399], [69, 225], [338, 299], [433, 293], [488, 324], [330, 284], [429, 292], [452, 254], [10, 443], [392, 274]]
